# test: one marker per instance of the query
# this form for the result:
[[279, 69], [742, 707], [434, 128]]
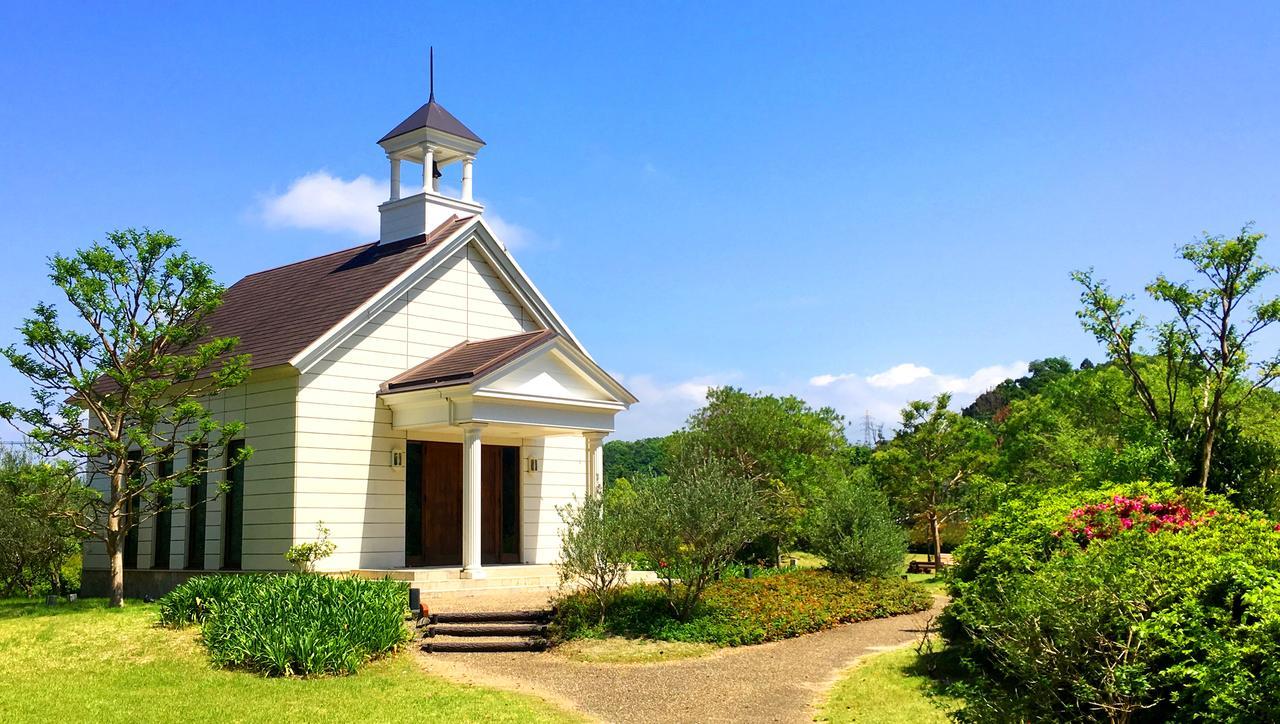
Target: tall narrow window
[[196, 510], [163, 528], [233, 509], [131, 511]]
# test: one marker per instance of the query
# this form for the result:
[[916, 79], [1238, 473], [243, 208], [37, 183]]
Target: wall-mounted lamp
[[397, 458], [533, 465]]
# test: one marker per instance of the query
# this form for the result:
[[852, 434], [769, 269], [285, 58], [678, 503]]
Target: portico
[[494, 404]]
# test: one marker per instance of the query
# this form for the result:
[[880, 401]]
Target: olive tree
[[594, 548], [693, 521], [117, 385]]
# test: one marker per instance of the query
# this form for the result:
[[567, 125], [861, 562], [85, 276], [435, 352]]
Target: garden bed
[[740, 611]]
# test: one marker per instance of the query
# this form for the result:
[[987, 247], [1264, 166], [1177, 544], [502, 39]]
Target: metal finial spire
[[431, 72]]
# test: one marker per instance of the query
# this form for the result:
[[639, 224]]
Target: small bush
[[852, 527], [594, 548], [741, 611], [291, 625], [305, 556]]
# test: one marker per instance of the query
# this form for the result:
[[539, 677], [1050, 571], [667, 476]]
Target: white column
[[395, 177], [428, 163], [471, 496], [595, 462], [466, 177]]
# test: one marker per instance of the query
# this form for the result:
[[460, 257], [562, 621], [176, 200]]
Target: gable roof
[[467, 361], [432, 115], [279, 312]]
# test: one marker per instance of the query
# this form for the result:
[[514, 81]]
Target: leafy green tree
[[852, 527], [627, 458], [1208, 348], [119, 388], [786, 446], [36, 536], [692, 522], [933, 468], [1040, 374]]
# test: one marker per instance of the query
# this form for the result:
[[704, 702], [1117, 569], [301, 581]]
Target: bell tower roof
[[432, 115]]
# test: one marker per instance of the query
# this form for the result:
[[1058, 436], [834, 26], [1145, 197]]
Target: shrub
[[1144, 602], [295, 624], [594, 548], [692, 522], [742, 611], [852, 527], [305, 556]]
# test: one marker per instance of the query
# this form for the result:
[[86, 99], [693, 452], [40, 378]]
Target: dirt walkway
[[777, 682]]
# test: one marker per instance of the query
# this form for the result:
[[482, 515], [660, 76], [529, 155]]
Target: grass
[[889, 688], [931, 581], [618, 650], [85, 662]]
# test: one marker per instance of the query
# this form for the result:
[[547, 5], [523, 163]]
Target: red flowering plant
[[1100, 521]]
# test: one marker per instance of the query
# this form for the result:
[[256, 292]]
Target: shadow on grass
[[14, 608]]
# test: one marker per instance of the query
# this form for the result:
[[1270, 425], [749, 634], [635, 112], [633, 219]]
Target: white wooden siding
[[561, 479], [266, 407], [344, 436]]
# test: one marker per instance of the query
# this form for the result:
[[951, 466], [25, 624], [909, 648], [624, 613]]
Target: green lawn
[[84, 662], [888, 688]]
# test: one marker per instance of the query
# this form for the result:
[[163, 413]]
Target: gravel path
[[776, 682]]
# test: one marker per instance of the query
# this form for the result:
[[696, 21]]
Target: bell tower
[[433, 138]]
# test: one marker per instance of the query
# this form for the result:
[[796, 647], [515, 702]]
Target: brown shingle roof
[[465, 362], [279, 312]]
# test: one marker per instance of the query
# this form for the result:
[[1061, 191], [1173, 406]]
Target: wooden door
[[491, 504], [442, 504]]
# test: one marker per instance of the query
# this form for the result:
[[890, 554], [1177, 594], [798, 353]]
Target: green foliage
[[933, 468], [1210, 369], [742, 611], [305, 556], [127, 372], [852, 527], [292, 625], [692, 523], [37, 537], [629, 458], [786, 447], [1176, 624], [595, 547], [1040, 373]]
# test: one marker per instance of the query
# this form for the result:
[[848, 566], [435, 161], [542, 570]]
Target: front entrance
[[433, 504]]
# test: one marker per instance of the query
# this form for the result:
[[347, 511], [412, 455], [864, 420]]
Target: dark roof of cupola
[[432, 115]]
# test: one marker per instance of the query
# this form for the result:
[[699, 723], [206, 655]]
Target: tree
[[852, 528], [692, 522], [35, 541], [118, 390], [1040, 374], [1208, 346], [626, 458], [932, 467], [594, 548], [782, 443]]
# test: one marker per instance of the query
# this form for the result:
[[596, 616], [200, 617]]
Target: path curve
[[774, 682]]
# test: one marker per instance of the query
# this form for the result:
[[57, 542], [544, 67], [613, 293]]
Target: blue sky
[[852, 204]]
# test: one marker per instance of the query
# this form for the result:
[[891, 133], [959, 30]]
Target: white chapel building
[[417, 395]]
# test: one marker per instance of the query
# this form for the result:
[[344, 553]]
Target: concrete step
[[491, 646], [487, 629], [537, 615]]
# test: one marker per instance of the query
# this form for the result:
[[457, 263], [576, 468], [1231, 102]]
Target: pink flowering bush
[[1100, 521], [1142, 603]]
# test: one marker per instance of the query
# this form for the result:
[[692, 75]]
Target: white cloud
[[324, 202], [664, 406], [884, 394]]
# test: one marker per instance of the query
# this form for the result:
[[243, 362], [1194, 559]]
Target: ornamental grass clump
[[292, 625]]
